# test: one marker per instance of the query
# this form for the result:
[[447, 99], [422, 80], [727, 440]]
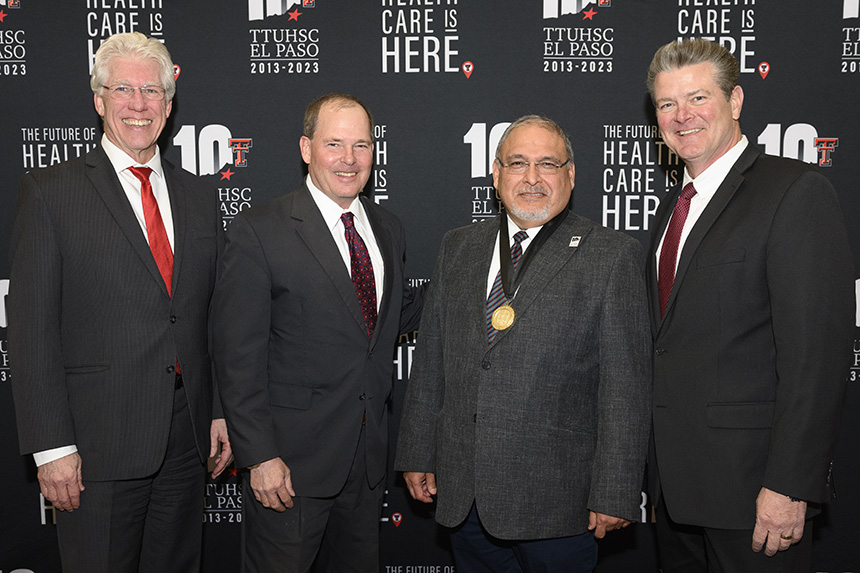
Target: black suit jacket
[[299, 372], [93, 335], [752, 354]]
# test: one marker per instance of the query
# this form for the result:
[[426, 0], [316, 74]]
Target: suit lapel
[[727, 189], [317, 237], [385, 242], [553, 255], [106, 183], [179, 211]]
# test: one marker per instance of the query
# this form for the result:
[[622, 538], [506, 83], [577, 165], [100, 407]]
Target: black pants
[[148, 525]]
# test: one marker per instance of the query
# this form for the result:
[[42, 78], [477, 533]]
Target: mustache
[[531, 189]]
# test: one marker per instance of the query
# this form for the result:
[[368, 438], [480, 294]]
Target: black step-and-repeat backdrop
[[443, 78]]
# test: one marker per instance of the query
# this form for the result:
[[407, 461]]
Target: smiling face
[[134, 124], [696, 120], [533, 198], [340, 154]]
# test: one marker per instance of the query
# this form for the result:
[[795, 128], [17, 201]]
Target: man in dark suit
[[307, 311], [750, 285], [527, 407], [113, 264]]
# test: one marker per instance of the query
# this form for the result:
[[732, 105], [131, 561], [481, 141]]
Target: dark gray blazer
[[290, 344], [93, 335], [551, 420], [753, 352]]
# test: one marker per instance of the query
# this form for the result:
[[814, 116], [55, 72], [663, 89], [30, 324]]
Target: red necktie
[[158, 243], [669, 252], [362, 273]]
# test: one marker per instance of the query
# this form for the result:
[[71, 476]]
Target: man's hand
[[422, 485], [272, 486], [600, 523], [60, 482], [218, 436], [778, 522]]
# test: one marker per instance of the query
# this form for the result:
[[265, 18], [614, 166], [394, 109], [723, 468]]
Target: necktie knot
[[142, 173], [517, 247], [688, 192], [347, 220]]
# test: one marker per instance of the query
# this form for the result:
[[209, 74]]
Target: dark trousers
[[476, 551], [340, 533], [148, 525], [694, 549]]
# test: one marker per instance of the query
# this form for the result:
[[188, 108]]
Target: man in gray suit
[[306, 314], [527, 408], [113, 264]]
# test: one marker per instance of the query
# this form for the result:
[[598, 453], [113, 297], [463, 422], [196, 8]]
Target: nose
[[532, 175], [348, 155], [683, 113], [137, 101]]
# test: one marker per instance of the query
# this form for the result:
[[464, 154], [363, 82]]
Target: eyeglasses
[[122, 91], [544, 167]]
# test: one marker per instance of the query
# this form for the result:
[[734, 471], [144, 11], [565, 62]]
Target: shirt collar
[[711, 178], [122, 161], [331, 211]]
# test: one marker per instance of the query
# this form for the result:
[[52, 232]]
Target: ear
[[99, 103], [305, 146], [737, 99], [168, 109], [496, 174], [571, 172]]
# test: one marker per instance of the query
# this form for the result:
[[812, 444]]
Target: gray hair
[[541, 121], [135, 46], [692, 51]]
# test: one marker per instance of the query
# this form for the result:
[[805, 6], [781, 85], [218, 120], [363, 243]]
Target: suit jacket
[[552, 418], [753, 351], [93, 335], [299, 372]]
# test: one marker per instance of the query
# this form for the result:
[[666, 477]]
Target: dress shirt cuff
[[45, 456]]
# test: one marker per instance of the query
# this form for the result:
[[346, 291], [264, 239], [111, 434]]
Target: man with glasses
[[113, 264], [527, 408]]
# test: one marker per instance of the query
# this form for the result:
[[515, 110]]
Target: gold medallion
[[503, 317]]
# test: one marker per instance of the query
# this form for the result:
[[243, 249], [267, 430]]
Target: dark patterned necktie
[[497, 294], [669, 252], [362, 273], [158, 242]]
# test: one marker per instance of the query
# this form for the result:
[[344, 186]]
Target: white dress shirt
[[495, 262], [706, 185], [331, 213]]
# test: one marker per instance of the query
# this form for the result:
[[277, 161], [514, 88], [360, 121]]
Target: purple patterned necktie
[[497, 294], [362, 273], [669, 252]]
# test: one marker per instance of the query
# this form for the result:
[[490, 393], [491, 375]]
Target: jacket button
[[660, 351], [172, 319], [363, 396], [485, 364], [170, 369]]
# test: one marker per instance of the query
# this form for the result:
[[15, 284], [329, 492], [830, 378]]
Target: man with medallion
[[527, 409]]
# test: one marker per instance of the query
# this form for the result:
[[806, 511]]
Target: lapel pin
[[574, 241]]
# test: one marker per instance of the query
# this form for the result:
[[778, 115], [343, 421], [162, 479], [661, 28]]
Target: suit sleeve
[[35, 349], [416, 445], [241, 315], [810, 284], [624, 395]]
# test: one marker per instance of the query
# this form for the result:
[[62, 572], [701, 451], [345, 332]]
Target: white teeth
[[689, 131], [344, 174], [137, 122]]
